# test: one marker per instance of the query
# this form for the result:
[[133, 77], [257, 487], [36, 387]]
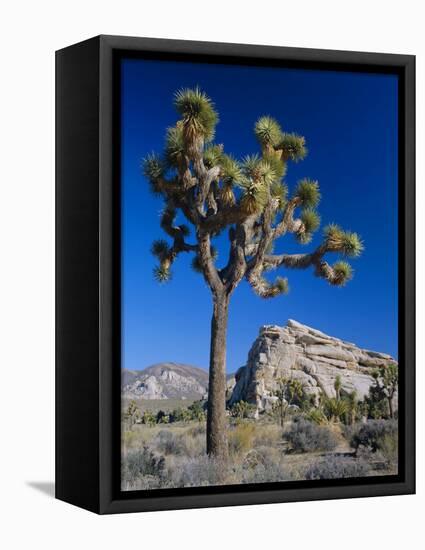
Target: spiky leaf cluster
[[213, 155], [293, 147], [268, 131], [162, 273], [308, 192], [343, 273], [346, 242], [160, 248], [197, 112], [153, 168], [310, 219], [282, 285], [254, 196], [258, 169], [230, 170], [174, 146], [279, 191]]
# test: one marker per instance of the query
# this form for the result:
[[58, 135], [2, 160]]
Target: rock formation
[[165, 381], [300, 352]]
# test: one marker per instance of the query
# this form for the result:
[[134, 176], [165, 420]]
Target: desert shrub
[[335, 409], [169, 443], [143, 462], [242, 409], [377, 435], [129, 438], [317, 416], [180, 415], [337, 468], [187, 443], [241, 438], [197, 411], [162, 417], [149, 418], [267, 436], [263, 465], [304, 436], [198, 429], [200, 471]]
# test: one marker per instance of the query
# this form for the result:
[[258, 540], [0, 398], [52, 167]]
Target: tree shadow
[[46, 487]]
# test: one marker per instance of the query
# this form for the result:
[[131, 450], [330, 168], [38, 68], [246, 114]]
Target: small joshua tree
[[288, 390], [338, 386], [132, 414], [249, 200], [386, 381]]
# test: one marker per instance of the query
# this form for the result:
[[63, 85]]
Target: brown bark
[[390, 406], [216, 418]]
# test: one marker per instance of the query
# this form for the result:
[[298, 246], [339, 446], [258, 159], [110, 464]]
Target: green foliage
[[162, 417], [242, 409], [279, 191], [352, 407], [293, 147], [174, 146], [197, 411], [213, 155], [149, 418], [376, 435], [162, 274], [338, 386], [132, 414], [386, 385], [304, 436], [281, 284], [308, 192], [160, 248], [346, 242], [180, 415], [343, 273], [197, 112], [288, 392], [317, 416], [334, 409], [310, 219], [231, 171], [153, 169], [254, 196], [268, 131]]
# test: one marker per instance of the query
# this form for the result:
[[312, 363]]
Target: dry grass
[[258, 453]]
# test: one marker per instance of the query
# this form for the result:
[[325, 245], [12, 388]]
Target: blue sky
[[350, 124]]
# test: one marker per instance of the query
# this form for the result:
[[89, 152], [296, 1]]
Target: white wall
[[30, 32]]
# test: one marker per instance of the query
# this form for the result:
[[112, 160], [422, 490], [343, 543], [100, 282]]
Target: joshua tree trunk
[[390, 406], [216, 419], [215, 193]]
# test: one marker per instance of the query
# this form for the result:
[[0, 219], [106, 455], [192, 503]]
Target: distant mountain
[[165, 381]]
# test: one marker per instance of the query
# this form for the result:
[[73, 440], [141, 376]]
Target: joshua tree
[[287, 391], [132, 414], [353, 406], [249, 200], [338, 386], [335, 409], [386, 380]]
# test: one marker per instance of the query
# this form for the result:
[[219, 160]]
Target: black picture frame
[[88, 274]]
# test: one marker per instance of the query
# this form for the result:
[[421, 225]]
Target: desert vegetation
[[297, 439], [247, 201]]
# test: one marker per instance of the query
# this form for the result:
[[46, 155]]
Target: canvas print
[[259, 284]]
